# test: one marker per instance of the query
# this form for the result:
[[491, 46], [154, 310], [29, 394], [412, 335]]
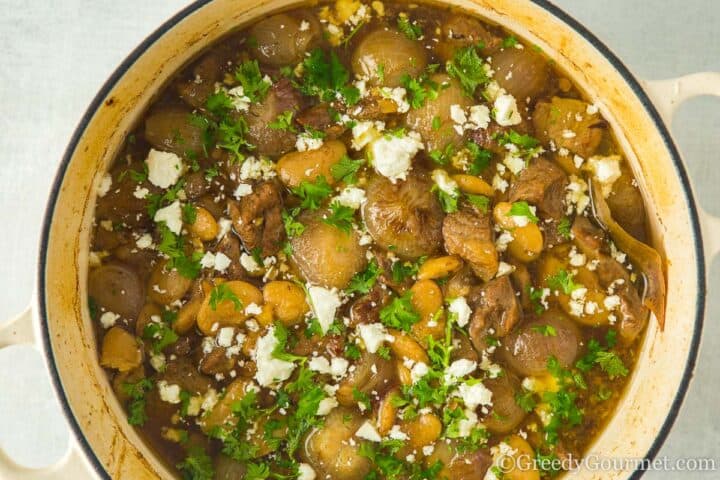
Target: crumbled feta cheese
[[373, 335], [499, 183], [249, 263], [479, 116], [397, 95], [428, 450], [108, 319], [172, 216], [270, 369], [577, 259], [225, 225], [305, 142], [366, 132], [392, 155], [514, 163], [458, 369], [351, 197], [254, 169], [368, 432], [466, 425], [164, 168], [144, 241], [445, 183], [503, 240], [476, 117], [242, 190], [225, 336], [168, 393], [157, 361], [396, 434], [418, 370], [504, 269], [611, 302], [605, 170], [304, 27], [253, 309], [576, 196], [140, 192], [222, 262], [460, 307], [475, 395], [506, 111], [305, 471], [239, 100], [324, 303], [326, 405], [105, 185]]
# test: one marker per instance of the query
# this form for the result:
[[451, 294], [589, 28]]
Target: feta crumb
[[458, 369], [225, 336], [351, 197], [172, 216], [506, 111], [105, 185], [306, 142], [240, 101], [168, 393], [164, 168], [366, 132], [324, 303], [606, 170], [368, 432], [249, 263], [398, 96], [396, 434], [326, 405], [460, 307], [418, 370], [475, 395], [270, 369], [514, 163], [374, 335], [445, 183], [242, 190], [392, 155], [144, 241], [304, 27], [504, 269], [254, 169], [108, 319]]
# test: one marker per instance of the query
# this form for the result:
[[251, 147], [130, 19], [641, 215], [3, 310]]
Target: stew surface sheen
[[367, 241]]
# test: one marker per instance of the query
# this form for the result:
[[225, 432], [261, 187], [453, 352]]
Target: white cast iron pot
[[105, 446]]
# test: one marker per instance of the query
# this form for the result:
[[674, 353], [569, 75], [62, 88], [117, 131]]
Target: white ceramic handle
[[668, 95], [73, 465]]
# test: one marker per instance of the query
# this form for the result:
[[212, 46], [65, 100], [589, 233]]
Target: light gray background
[[55, 55]]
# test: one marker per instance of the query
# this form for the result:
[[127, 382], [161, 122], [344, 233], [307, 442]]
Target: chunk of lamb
[[541, 184], [496, 310], [633, 314], [281, 97], [257, 219], [468, 234]]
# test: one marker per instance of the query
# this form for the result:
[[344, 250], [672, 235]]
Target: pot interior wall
[[659, 372]]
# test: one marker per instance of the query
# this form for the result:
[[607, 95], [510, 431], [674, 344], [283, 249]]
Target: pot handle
[[21, 330], [668, 95]]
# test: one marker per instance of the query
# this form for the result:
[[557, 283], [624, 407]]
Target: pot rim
[[558, 13]]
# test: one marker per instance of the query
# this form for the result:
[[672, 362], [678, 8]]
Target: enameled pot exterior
[[113, 448]]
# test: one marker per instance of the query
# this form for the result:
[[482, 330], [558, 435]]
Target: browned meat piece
[[181, 371], [522, 281], [460, 283], [469, 235], [209, 70], [633, 315], [281, 98], [551, 234], [257, 219], [230, 246], [541, 184], [217, 361], [316, 117], [119, 205], [485, 137], [366, 309], [495, 307]]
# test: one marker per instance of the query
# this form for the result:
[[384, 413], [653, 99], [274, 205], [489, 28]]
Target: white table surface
[[55, 55]]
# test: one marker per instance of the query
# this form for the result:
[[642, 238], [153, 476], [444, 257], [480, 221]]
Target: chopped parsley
[[400, 313], [410, 29], [448, 201], [522, 209], [443, 157], [479, 158], [526, 401], [509, 42], [528, 146], [284, 121], [480, 201], [402, 270], [222, 293], [136, 404], [324, 76], [363, 281], [255, 87], [562, 281], [174, 247], [313, 194], [420, 89], [468, 68], [346, 169], [545, 330], [160, 334], [609, 362], [197, 465], [189, 213], [564, 227], [340, 217], [293, 228]]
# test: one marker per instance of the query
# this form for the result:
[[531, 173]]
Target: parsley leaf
[[160, 334], [479, 158], [293, 228], [401, 270], [480, 201], [528, 146], [564, 227], [443, 157], [284, 121], [419, 89], [313, 194], [325, 77], [410, 29], [448, 202], [562, 281], [340, 217], [526, 400], [282, 335], [363, 281], [346, 169], [509, 42], [189, 213], [136, 406], [468, 68], [173, 246], [522, 209], [255, 87], [197, 465], [400, 313], [222, 293], [545, 330]]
